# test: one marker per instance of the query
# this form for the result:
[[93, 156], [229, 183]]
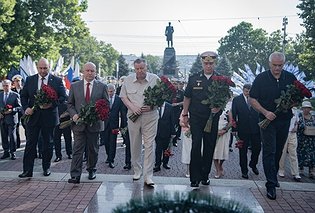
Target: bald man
[[42, 120]]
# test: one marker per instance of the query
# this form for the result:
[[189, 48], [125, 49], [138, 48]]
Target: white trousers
[[289, 150], [143, 129]]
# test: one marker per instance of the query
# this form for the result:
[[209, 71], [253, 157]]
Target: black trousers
[[200, 165], [66, 132], [126, 139], [273, 140], [161, 146], [255, 142], [8, 137], [110, 141], [33, 133]]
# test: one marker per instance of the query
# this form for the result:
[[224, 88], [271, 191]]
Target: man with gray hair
[[266, 88], [111, 125], [10, 105], [145, 127]]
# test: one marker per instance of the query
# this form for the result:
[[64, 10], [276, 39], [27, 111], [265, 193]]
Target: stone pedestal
[[169, 67]]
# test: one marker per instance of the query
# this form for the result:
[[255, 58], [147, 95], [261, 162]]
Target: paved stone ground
[[45, 194]]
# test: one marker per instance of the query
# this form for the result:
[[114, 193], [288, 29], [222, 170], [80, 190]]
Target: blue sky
[[135, 27]]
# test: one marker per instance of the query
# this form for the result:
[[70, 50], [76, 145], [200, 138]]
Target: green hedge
[[191, 202]]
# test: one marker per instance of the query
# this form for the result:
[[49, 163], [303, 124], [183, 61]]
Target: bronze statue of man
[[169, 34]]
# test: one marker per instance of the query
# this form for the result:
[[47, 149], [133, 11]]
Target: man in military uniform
[[195, 92]]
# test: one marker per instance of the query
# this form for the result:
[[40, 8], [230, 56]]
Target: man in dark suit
[[247, 129], [10, 105], [42, 120], [66, 132], [165, 133], [109, 135], [81, 93]]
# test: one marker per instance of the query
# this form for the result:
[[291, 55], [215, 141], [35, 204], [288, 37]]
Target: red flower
[[102, 109], [115, 131], [239, 144], [168, 153], [293, 96], [155, 96], [8, 106]]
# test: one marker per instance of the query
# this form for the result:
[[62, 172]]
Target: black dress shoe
[[107, 161], [205, 182], [255, 170], [175, 144], [40, 156], [25, 175], [84, 159], [245, 176], [127, 166], [165, 166], [156, 169], [70, 156], [74, 180], [57, 159], [46, 172], [271, 193], [111, 165], [278, 184], [194, 184], [13, 156], [92, 175], [5, 155]]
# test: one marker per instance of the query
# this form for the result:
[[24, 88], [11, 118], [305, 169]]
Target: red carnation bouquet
[[293, 96], [239, 143], [218, 95], [7, 109], [168, 151], [90, 114], [46, 95], [155, 96]]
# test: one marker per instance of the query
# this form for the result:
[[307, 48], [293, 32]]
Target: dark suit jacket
[[115, 112], [166, 124], [246, 119], [13, 100], [44, 117], [77, 99]]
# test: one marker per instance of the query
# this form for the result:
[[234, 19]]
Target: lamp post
[[284, 24]]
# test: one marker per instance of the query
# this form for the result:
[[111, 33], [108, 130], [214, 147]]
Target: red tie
[[41, 85], [87, 94]]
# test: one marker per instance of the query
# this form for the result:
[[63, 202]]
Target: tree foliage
[[49, 28], [224, 66], [197, 66], [123, 67], [154, 63], [307, 57]]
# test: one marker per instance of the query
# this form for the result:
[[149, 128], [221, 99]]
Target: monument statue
[[169, 34]]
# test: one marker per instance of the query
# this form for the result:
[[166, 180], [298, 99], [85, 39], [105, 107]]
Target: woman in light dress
[[221, 152]]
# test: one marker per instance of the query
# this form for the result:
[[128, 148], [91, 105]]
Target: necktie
[[87, 94], [41, 85], [5, 97], [111, 102], [160, 112]]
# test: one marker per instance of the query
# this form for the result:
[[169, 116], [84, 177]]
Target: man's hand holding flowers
[[293, 96]]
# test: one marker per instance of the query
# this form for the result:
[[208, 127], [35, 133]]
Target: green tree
[[123, 67], [154, 63], [6, 14], [224, 66], [244, 45], [307, 58], [40, 28], [197, 66]]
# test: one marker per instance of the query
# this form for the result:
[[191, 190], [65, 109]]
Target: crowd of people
[[184, 118]]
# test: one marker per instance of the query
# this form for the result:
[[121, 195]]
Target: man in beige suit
[[145, 127], [81, 93]]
